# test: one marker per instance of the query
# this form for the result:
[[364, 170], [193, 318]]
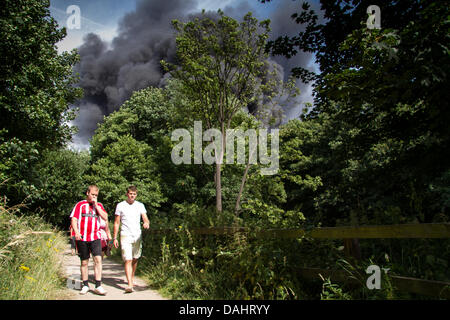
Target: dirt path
[[113, 280]]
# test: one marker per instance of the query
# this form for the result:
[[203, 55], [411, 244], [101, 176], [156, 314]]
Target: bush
[[29, 257]]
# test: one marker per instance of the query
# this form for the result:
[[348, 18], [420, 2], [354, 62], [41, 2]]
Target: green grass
[[30, 257]]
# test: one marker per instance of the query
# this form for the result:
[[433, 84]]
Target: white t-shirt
[[130, 216]]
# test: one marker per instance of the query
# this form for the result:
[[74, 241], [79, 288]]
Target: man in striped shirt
[[85, 222]]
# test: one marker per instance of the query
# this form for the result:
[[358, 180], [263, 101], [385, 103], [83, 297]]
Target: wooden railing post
[[352, 248]]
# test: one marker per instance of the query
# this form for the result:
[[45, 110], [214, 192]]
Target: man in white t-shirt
[[129, 213]]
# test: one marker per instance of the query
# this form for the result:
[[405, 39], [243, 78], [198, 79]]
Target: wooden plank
[[439, 289], [201, 231], [159, 232], [423, 230], [218, 230], [281, 233]]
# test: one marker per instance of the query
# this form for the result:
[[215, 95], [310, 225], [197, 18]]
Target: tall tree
[[36, 87], [221, 64]]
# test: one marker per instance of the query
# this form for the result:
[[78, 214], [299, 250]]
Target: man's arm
[[74, 223], [146, 221], [116, 230], [108, 232], [101, 212]]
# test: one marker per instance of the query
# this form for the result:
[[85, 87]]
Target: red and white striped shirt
[[88, 220]]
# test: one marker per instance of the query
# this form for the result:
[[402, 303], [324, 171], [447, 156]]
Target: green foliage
[[144, 116], [259, 269], [36, 82], [301, 165], [117, 124], [30, 250], [36, 89], [332, 291], [50, 182], [374, 143], [126, 162], [323, 37], [17, 159], [59, 185]]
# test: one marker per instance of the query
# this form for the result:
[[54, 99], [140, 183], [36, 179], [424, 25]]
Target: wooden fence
[[400, 231]]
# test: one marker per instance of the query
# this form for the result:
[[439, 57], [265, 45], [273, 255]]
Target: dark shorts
[[85, 248]]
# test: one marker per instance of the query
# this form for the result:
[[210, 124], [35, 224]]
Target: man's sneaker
[[100, 291], [84, 290]]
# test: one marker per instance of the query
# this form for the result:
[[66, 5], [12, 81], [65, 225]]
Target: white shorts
[[131, 247]]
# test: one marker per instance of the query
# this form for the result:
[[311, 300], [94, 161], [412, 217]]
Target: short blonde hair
[[92, 186]]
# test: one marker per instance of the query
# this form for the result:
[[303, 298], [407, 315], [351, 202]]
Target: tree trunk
[[218, 188], [244, 179], [352, 248], [219, 161], [241, 189]]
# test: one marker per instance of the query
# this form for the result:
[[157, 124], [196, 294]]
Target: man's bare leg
[[98, 268], [134, 265], [84, 270], [129, 272]]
